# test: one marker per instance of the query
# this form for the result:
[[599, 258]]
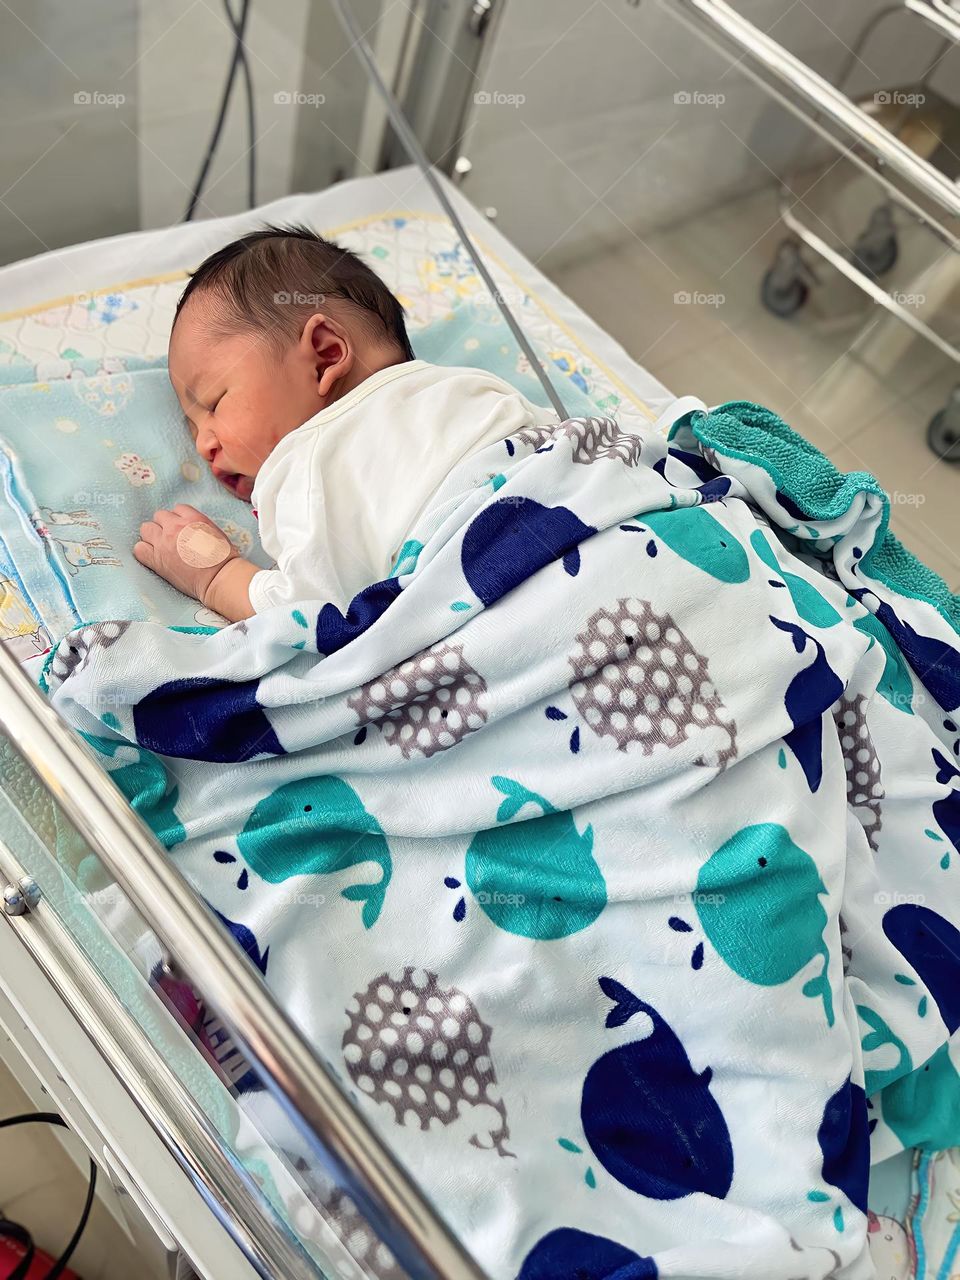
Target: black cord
[[239, 59], [251, 125], [50, 1117], [238, 26]]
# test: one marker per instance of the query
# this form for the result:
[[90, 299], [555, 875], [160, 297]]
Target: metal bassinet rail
[[301, 1081], [910, 182]]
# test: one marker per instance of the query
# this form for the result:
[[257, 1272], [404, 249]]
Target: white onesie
[[336, 498]]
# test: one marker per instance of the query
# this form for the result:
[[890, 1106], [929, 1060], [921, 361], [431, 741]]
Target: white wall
[[68, 171], [599, 144]]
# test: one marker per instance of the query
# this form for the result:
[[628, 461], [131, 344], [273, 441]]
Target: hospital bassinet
[[152, 1102]]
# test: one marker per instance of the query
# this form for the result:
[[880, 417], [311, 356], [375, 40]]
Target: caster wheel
[[876, 259], [943, 438], [783, 300]]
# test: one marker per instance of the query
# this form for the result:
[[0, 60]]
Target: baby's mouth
[[242, 486]]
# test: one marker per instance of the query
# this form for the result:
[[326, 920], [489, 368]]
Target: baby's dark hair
[[274, 279]]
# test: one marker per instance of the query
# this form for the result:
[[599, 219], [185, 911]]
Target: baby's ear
[[327, 345]]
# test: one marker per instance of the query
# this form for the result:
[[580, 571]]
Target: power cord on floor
[[14, 1231], [238, 62]]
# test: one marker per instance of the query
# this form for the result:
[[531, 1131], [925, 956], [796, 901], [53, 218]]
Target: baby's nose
[[206, 445]]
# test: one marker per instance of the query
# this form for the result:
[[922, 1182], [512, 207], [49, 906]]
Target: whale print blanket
[[610, 848]]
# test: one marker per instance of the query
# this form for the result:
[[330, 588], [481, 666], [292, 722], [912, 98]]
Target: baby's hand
[[184, 547]]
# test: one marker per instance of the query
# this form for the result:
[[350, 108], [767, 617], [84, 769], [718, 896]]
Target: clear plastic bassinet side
[[211, 1062]]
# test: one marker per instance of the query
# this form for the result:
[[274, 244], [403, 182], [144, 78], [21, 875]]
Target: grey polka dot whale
[[425, 1051], [426, 704], [638, 680]]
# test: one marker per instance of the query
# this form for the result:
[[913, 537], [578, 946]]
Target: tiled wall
[[599, 147]]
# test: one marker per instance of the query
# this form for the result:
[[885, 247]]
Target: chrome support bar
[[939, 14], [415, 151], [766, 60], [303, 1084], [880, 295]]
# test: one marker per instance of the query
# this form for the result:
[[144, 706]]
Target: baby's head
[[270, 330]]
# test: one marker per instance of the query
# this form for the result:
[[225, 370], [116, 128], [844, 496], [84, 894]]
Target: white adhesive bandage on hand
[[201, 546], [185, 548]]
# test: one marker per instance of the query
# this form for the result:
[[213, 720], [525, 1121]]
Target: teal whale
[[810, 605], [700, 539], [317, 826], [758, 900], [536, 878], [144, 783]]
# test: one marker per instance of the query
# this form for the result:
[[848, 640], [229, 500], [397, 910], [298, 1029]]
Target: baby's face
[[239, 400]]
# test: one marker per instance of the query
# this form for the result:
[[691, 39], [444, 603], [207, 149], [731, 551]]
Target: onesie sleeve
[[293, 530]]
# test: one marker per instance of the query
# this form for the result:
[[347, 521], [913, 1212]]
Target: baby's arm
[[195, 556]]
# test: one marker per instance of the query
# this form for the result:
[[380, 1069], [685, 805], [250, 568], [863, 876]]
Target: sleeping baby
[[291, 361]]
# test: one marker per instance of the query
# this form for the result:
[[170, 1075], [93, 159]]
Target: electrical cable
[[239, 60], [251, 107], [14, 1230]]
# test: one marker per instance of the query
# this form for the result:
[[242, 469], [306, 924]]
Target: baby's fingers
[[149, 531], [143, 552]]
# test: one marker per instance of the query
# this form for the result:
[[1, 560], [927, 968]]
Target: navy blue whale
[[649, 1118], [513, 538]]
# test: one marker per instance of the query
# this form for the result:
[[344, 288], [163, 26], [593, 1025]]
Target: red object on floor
[[11, 1253]]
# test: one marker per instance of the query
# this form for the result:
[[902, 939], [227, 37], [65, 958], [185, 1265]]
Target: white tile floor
[[844, 373]]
